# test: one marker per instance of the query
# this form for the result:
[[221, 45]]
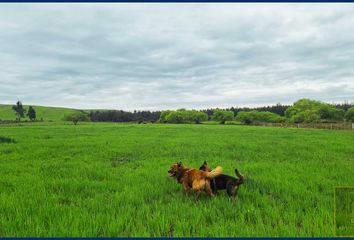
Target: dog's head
[[205, 167], [174, 169]]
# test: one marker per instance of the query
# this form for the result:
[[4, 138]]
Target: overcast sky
[[168, 56]]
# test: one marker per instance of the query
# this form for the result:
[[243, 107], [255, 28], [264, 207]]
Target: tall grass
[[94, 180]]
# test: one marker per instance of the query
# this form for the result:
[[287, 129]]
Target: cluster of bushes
[[256, 116], [311, 111], [278, 109], [303, 111], [222, 116], [183, 116], [194, 116]]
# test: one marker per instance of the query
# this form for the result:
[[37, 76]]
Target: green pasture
[[107, 179]]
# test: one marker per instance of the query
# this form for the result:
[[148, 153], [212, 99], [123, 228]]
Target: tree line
[[178, 116], [123, 116], [278, 109], [302, 111]]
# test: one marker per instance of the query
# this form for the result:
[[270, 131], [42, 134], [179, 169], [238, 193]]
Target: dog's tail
[[240, 177], [214, 173]]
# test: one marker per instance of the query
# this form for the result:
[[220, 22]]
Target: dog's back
[[223, 181]]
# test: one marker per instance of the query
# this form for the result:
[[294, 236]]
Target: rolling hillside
[[47, 113]]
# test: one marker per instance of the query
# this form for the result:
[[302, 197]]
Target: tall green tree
[[175, 117], [307, 110], [163, 116], [19, 110], [222, 116], [199, 117], [31, 113]]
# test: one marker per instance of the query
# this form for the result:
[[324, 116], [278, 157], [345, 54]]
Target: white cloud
[[159, 56]]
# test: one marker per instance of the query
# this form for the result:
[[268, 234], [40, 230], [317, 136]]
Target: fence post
[[353, 126]]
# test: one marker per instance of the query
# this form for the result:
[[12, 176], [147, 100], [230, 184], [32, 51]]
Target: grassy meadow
[[107, 179]]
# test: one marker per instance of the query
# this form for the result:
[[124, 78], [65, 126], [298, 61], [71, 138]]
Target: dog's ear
[[205, 163], [179, 164]]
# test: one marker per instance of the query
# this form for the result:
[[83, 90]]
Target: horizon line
[[351, 102]]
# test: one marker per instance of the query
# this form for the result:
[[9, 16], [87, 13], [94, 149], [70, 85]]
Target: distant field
[[47, 113], [106, 179]]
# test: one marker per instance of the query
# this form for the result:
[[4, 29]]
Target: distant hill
[[47, 113]]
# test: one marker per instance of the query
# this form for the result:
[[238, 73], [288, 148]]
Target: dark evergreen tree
[[31, 113], [122, 116]]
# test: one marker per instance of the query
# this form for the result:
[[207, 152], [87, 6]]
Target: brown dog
[[193, 178]]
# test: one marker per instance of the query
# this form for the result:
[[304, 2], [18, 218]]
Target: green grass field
[[47, 113], [105, 179]]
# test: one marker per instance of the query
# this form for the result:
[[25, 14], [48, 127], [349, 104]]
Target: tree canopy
[[19, 110], [183, 116], [123, 116], [256, 116], [223, 115], [307, 110], [31, 113]]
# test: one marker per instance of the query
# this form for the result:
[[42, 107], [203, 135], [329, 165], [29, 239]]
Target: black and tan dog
[[193, 178], [231, 184]]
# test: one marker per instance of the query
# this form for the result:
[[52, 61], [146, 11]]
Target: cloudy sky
[[167, 56]]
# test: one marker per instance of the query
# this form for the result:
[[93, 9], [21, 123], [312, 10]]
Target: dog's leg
[[197, 187], [229, 189], [232, 192], [197, 194], [208, 189], [186, 188]]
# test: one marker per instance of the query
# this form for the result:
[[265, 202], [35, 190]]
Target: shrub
[[307, 116], [76, 117], [222, 116], [256, 116], [175, 117]]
